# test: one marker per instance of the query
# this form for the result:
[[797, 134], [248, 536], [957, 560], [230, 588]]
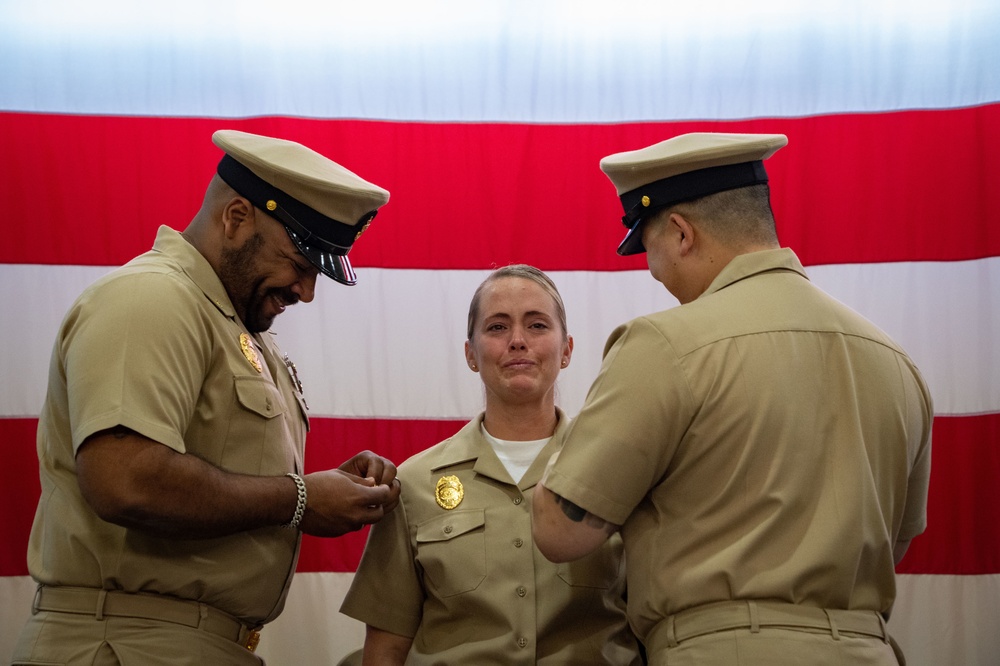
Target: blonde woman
[[452, 576]]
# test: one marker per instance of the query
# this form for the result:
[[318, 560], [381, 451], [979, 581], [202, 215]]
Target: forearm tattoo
[[578, 514]]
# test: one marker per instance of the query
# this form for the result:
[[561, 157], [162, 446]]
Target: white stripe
[[311, 630], [518, 61], [947, 619], [392, 346], [944, 314], [936, 619]]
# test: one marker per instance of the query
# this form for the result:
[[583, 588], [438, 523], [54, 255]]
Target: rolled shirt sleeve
[[624, 438]]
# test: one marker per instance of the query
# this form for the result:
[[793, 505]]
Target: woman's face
[[518, 345]]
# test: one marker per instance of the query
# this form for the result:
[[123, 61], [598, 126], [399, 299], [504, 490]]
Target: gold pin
[[645, 201], [271, 204], [253, 640], [449, 492], [246, 344]]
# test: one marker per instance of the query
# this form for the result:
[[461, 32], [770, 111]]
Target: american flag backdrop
[[486, 122]]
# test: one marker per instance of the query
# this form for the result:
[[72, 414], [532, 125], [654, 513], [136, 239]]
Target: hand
[[371, 465], [379, 470], [340, 502]]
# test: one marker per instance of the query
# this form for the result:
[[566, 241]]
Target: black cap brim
[[336, 266], [632, 243]]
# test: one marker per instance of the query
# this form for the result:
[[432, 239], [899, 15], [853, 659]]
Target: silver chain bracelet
[[300, 504]]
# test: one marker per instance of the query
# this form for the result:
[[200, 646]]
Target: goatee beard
[[238, 273]]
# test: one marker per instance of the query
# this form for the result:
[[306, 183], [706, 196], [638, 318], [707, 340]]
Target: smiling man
[[171, 441]]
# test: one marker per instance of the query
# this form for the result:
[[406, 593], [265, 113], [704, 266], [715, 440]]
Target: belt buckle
[[253, 639]]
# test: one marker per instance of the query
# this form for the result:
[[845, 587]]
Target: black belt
[[112, 603]]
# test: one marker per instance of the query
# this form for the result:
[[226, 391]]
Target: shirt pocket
[[255, 439], [601, 569], [451, 550]]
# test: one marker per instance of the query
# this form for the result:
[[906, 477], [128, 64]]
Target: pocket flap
[[259, 396], [450, 525]]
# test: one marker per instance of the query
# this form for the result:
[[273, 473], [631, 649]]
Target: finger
[[388, 471], [357, 464], [376, 495], [372, 514], [374, 467], [365, 481], [390, 506], [393, 500]]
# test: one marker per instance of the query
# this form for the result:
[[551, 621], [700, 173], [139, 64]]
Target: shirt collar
[[173, 245], [468, 444], [747, 265]]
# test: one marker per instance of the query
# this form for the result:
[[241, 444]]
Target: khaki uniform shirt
[[467, 583], [155, 347], [761, 442]]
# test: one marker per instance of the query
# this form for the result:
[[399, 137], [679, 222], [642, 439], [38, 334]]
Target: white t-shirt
[[515, 456]]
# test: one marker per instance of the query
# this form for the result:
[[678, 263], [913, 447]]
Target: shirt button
[[521, 591], [517, 500], [522, 642], [518, 543], [447, 529]]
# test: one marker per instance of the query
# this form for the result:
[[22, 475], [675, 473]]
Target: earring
[[474, 366], [564, 364]]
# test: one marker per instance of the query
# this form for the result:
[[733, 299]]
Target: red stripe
[[902, 186], [963, 509], [19, 492]]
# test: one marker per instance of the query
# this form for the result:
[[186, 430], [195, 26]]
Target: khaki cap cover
[[685, 167], [324, 206]]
